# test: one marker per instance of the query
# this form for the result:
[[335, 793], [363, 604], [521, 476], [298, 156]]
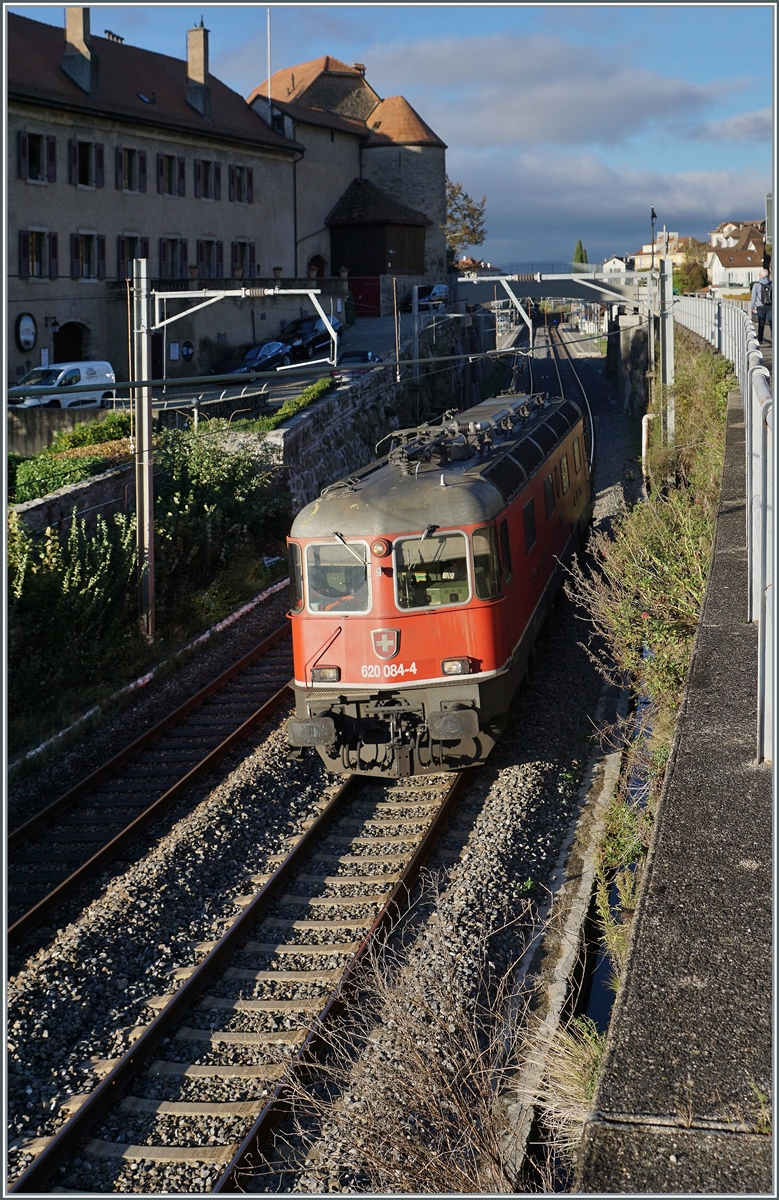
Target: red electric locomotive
[[420, 583]]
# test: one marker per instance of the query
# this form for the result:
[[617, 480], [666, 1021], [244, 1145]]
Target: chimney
[[80, 61], [198, 90], [359, 67]]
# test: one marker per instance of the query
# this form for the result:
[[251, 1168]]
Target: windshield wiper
[[340, 538]]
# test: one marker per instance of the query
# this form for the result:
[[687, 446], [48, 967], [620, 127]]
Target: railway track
[[563, 380], [246, 1016], [69, 842]]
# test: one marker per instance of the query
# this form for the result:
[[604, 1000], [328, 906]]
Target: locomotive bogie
[[418, 595]]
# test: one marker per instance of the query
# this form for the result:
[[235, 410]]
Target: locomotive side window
[[577, 455], [432, 571], [549, 495], [505, 549], [336, 581], [486, 564], [529, 521], [564, 473], [295, 578]]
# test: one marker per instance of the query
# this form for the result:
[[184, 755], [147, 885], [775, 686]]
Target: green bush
[[289, 408], [110, 428], [43, 474], [13, 464]]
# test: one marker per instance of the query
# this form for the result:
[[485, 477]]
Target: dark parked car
[[352, 364], [434, 295], [266, 357], [309, 336]]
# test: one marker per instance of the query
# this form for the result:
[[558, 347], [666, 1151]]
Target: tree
[[464, 221], [580, 254]]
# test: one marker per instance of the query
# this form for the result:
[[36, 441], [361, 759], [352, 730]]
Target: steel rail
[[258, 1141], [569, 360], [104, 1095], [52, 900]]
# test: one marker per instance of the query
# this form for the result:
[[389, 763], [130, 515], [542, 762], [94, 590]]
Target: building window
[[37, 254], [242, 259], [87, 256], [37, 160], [128, 247], [171, 175], [208, 179], [210, 258], [241, 184], [130, 170], [87, 163], [174, 262]]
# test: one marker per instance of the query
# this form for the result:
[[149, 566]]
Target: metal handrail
[[728, 327]]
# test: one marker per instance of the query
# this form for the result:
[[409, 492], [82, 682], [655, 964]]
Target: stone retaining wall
[[111, 492]]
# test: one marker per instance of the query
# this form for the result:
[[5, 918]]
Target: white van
[[26, 393]]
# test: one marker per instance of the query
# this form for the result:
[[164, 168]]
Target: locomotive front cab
[[394, 640]]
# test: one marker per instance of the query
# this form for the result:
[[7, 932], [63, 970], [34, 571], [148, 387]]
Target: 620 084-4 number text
[[388, 670]]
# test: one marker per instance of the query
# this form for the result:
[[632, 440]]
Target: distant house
[[728, 233], [736, 262], [618, 264]]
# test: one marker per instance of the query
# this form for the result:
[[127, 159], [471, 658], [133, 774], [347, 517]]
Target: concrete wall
[[64, 208]]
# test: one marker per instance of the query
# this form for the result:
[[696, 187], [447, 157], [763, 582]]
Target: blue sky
[[572, 120]]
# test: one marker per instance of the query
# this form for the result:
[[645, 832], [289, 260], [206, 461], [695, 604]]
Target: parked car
[[27, 393], [266, 357], [434, 295], [352, 364], [307, 335]]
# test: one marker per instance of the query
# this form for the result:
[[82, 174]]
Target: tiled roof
[[35, 53], [317, 116], [730, 256], [291, 82], [394, 120], [363, 204]]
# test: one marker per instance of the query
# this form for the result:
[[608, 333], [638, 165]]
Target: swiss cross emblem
[[386, 642]]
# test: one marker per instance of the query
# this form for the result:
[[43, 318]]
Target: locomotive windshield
[[336, 581], [432, 571]]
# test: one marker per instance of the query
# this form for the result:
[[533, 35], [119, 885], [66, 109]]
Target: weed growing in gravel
[[412, 1086]]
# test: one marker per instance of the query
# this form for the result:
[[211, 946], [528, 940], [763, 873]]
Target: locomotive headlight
[[380, 548], [326, 674], [456, 666]]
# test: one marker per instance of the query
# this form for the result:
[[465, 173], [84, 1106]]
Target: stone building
[[117, 152], [350, 134]]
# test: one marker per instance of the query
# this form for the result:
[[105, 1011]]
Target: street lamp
[[653, 218]]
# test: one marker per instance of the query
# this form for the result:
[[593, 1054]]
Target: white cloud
[[535, 90], [744, 127], [539, 203]]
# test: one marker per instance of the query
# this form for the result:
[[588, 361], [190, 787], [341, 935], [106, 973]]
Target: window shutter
[[201, 255], [24, 156], [24, 254], [231, 182], [101, 256], [220, 260], [182, 177], [73, 159], [54, 265], [121, 258], [144, 248], [141, 170], [161, 173], [119, 153], [250, 185], [99, 164], [235, 255], [51, 159], [163, 258], [252, 260], [198, 178], [217, 181], [184, 259], [75, 258]]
